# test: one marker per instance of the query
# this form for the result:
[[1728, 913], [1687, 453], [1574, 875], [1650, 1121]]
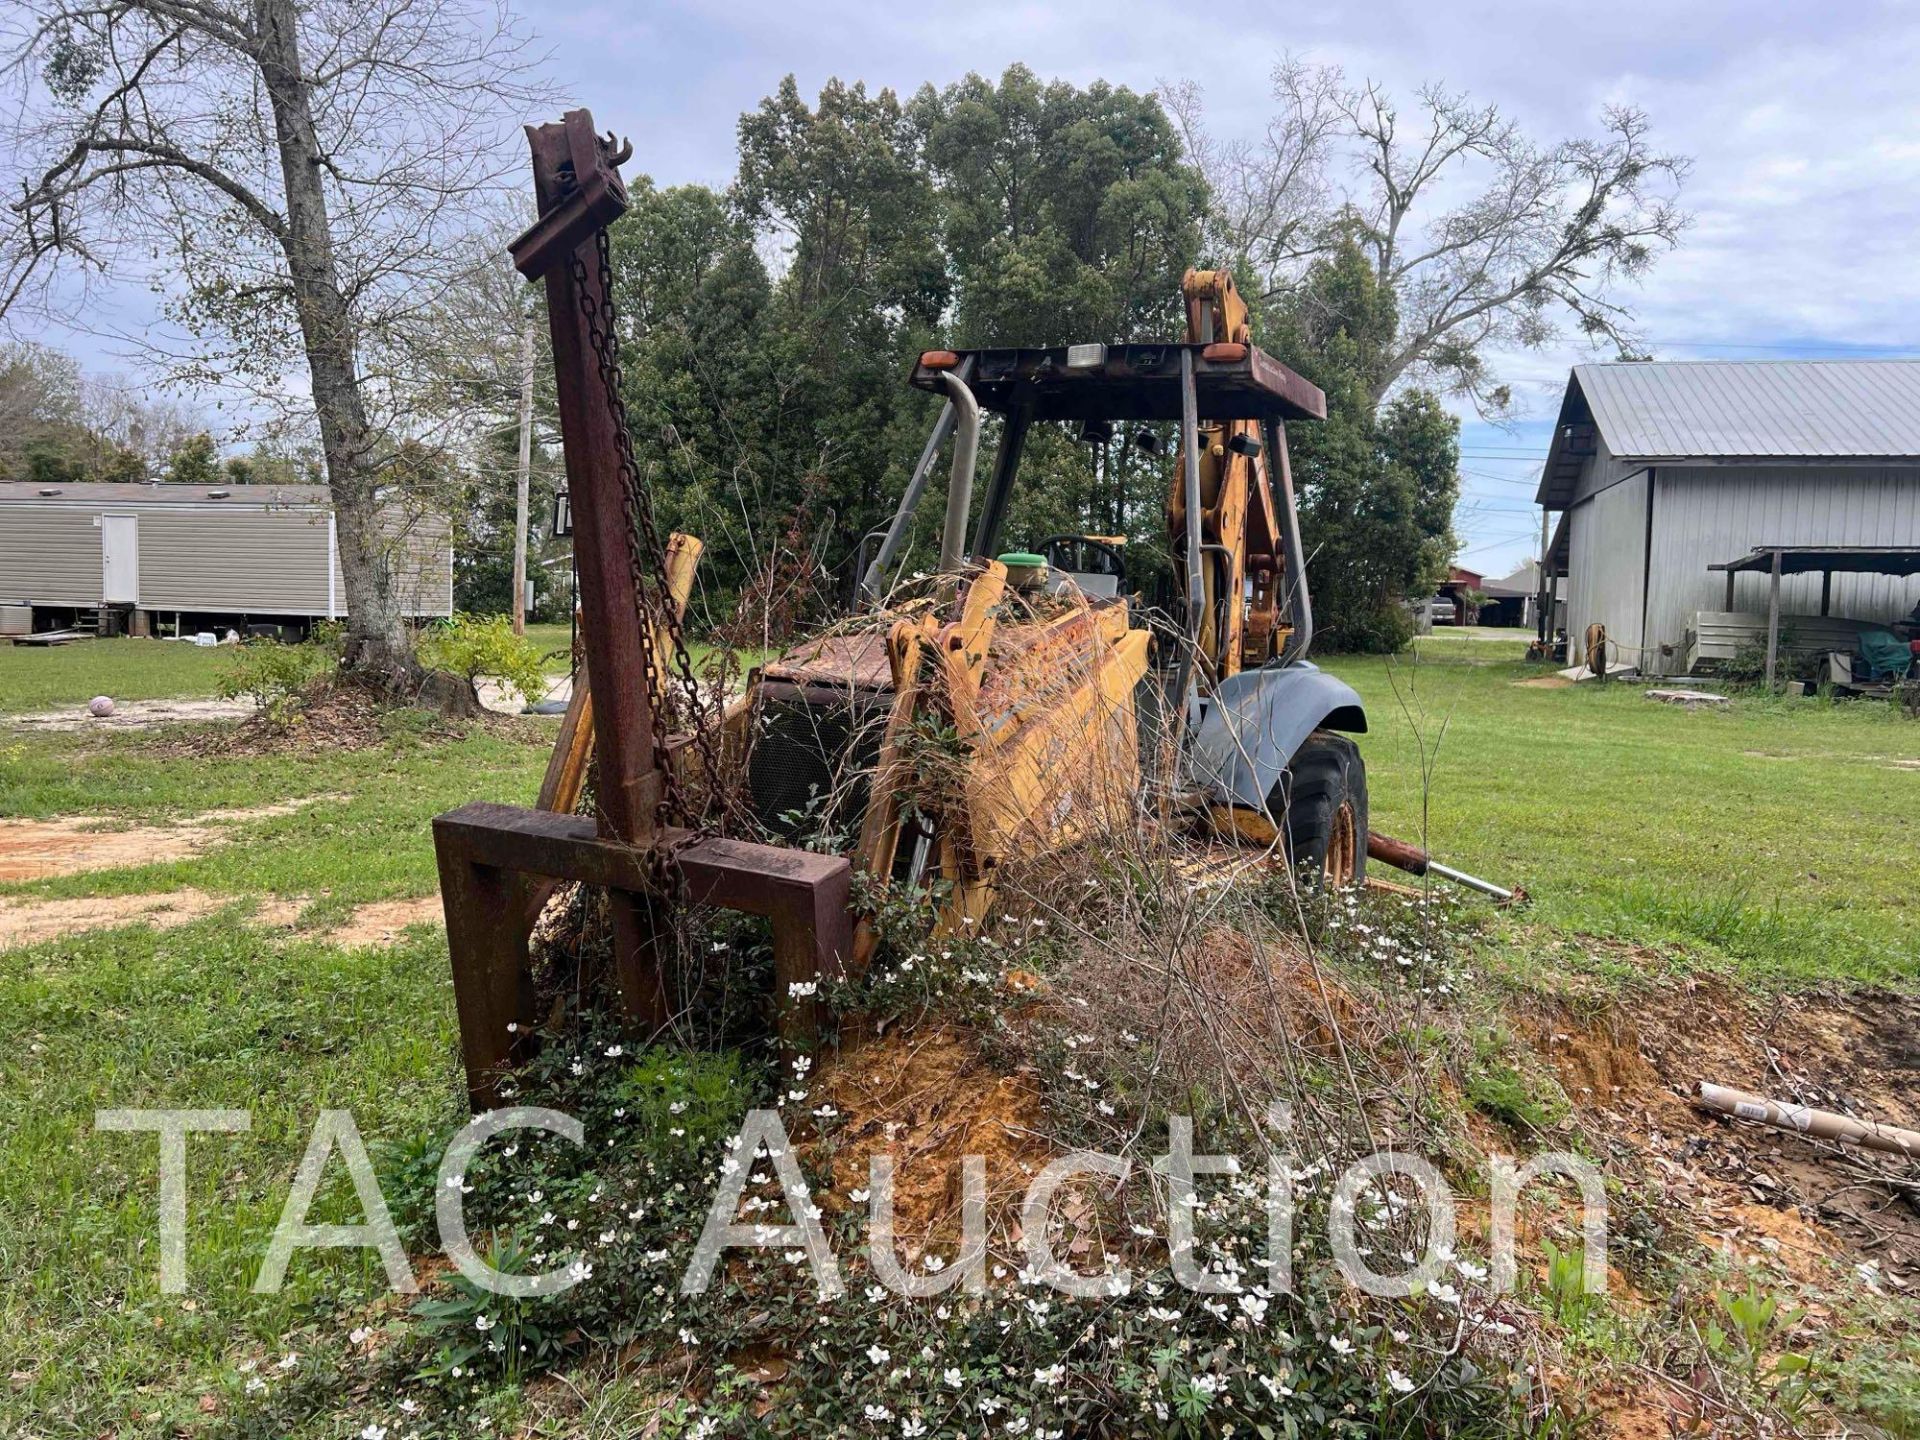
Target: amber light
[[1224, 350], [938, 359]]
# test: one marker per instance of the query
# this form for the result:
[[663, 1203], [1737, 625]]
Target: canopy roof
[[1810, 559], [1133, 382]]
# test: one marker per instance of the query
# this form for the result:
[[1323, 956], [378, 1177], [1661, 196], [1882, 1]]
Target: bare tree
[[484, 363], [1486, 237], [122, 414], [298, 176]]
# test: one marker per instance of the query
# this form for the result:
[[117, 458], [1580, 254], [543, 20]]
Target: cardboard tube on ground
[[1822, 1124]]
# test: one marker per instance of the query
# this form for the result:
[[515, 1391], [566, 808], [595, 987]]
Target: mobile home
[[151, 559]]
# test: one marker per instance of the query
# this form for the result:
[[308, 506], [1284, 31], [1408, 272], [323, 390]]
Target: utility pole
[[522, 480]]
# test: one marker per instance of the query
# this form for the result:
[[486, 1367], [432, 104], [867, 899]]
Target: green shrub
[[476, 645], [272, 675]]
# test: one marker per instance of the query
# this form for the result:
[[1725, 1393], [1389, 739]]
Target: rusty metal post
[[486, 852], [487, 932], [578, 191], [498, 861]]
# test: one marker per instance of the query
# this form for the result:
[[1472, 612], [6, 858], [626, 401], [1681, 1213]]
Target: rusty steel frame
[[495, 861], [490, 854]]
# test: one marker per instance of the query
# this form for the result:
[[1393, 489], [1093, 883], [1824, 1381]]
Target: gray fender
[[1248, 732]]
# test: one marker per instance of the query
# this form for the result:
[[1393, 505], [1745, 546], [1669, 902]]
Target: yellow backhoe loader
[[1027, 670]]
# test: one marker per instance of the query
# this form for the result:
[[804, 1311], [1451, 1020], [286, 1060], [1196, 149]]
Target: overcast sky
[[1802, 121]]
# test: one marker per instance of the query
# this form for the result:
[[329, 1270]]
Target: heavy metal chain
[[646, 556]]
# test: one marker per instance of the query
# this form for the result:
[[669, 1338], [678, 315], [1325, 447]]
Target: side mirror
[[1244, 444]]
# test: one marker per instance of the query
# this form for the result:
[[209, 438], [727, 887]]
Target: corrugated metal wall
[[1601, 470], [1707, 514], [49, 556], [268, 562], [1606, 563]]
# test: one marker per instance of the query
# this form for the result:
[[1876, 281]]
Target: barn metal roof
[[1733, 411], [96, 492]]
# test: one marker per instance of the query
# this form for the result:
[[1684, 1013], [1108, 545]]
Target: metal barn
[[1662, 469], [152, 558]]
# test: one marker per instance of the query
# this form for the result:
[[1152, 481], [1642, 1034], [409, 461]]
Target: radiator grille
[[814, 748]]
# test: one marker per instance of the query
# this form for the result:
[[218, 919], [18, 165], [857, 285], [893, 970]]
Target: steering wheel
[[1057, 548]]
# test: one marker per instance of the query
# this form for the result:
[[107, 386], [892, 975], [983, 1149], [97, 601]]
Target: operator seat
[[1092, 563]]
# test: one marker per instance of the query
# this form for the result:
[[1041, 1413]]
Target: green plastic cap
[[1022, 557]]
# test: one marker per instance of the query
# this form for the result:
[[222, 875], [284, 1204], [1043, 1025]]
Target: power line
[[1504, 479], [1865, 347]]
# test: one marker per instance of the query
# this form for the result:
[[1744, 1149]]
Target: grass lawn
[[212, 1014], [1777, 835], [41, 678], [555, 641], [1776, 839]]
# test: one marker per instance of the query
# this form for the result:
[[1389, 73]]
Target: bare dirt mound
[[40, 849], [928, 1097], [328, 721], [1796, 1204]]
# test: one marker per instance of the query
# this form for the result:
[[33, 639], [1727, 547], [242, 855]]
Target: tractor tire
[[1320, 809]]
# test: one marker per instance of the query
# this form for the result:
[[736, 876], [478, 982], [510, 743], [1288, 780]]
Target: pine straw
[[332, 717]]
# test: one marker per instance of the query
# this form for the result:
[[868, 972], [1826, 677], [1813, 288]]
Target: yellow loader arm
[[1240, 535]]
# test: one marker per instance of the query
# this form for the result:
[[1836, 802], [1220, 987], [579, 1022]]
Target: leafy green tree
[[266, 466], [1376, 486], [483, 519], [1069, 214], [705, 374], [846, 185], [843, 189], [196, 461]]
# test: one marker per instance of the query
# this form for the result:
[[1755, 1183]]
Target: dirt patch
[[1754, 1234], [40, 849], [28, 922], [276, 912], [132, 715], [927, 1098], [381, 922], [1545, 682], [340, 716], [1651, 1413], [501, 700], [1760, 1195]]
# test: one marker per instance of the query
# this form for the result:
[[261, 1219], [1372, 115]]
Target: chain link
[[647, 563]]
